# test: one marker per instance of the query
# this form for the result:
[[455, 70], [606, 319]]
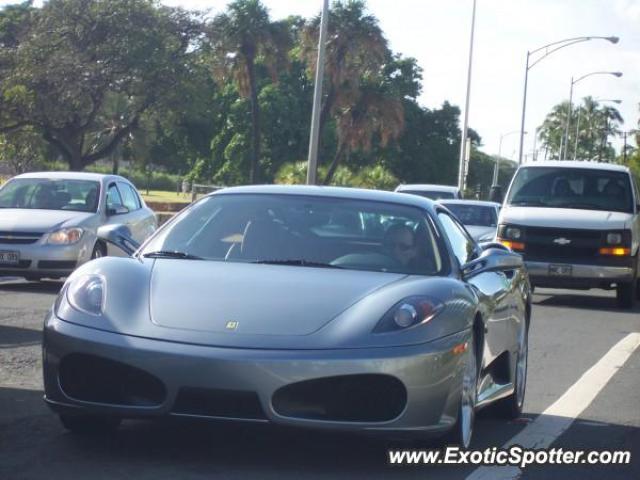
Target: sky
[[436, 33]]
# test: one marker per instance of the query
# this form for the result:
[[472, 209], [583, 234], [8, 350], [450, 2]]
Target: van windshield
[[579, 188]]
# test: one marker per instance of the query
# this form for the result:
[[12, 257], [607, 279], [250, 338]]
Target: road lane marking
[[558, 417]]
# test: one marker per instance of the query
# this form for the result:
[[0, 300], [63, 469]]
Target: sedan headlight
[[87, 294], [408, 313], [65, 236]]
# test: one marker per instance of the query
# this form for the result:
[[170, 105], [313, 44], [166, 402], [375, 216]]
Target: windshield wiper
[[172, 254], [297, 262]]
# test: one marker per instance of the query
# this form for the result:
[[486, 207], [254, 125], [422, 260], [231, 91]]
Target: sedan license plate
[[9, 258], [560, 270]]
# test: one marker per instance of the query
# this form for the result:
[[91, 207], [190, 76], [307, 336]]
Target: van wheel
[[626, 293]]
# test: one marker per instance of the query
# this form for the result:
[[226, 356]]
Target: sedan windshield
[[50, 194], [476, 215], [303, 231], [579, 188]]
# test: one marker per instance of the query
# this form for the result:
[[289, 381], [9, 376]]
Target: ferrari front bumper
[[401, 389]]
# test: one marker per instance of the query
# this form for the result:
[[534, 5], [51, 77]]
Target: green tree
[[592, 123], [241, 37], [73, 56], [356, 54]]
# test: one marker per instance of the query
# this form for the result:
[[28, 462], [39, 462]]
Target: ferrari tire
[[462, 431], [90, 424], [511, 407]]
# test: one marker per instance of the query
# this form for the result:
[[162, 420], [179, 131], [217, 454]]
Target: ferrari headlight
[[87, 294], [408, 313], [65, 236]]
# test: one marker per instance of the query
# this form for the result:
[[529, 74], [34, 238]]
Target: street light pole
[[548, 50], [465, 126], [312, 167]]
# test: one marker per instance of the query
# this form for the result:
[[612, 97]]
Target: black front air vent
[[348, 398], [90, 378]]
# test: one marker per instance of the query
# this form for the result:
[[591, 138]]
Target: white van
[[577, 224]]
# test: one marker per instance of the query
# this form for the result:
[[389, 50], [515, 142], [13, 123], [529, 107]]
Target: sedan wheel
[[99, 250]]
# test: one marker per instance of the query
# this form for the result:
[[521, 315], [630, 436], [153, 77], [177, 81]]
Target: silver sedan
[[49, 220], [305, 306]]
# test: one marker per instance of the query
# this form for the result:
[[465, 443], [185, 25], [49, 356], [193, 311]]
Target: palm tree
[[595, 124], [241, 37], [356, 49], [375, 112]]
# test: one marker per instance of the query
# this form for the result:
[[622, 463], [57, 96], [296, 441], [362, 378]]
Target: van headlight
[[87, 294], [65, 236], [614, 238]]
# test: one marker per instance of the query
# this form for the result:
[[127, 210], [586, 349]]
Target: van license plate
[[560, 270], [9, 258]]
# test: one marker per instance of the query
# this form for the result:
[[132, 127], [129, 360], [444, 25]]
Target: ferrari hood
[[251, 299]]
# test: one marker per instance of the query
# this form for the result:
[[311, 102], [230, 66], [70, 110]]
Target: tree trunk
[[334, 164], [255, 123], [75, 161], [116, 165]]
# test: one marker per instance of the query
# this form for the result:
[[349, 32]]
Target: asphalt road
[[571, 332]]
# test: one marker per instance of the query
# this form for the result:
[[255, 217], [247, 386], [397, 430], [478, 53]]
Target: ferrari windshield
[[580, 188], [50, 194], [297, 230]]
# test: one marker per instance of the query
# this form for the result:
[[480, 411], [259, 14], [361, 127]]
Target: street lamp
[[463, 141], [548, 50], [496, 167], [573, 82], [312, 167], [575, 147]]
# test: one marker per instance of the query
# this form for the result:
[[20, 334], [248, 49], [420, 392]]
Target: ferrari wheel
[[511, 406], [463, 429], [87, 424]]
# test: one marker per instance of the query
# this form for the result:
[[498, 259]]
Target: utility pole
[[312, 167], [463, 142]]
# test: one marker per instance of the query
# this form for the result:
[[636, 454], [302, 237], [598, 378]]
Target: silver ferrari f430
[[305, 306]]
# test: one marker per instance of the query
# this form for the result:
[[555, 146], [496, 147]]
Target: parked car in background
[[479, 218], [434, 192], [48, 220], [577, 225], [251, 305]]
